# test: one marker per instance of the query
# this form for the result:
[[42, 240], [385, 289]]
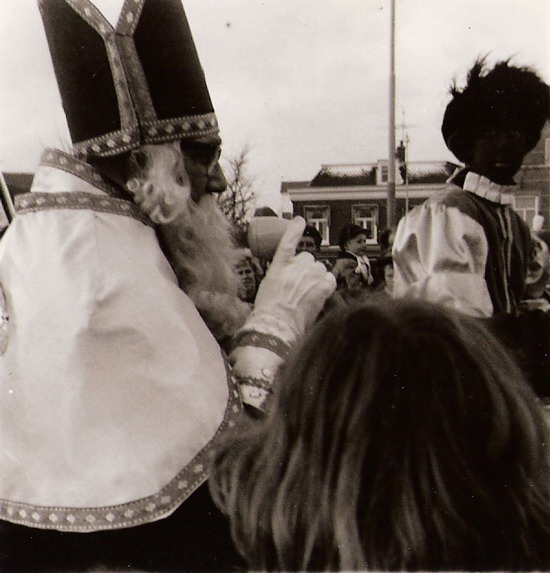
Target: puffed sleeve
[[440, 255]]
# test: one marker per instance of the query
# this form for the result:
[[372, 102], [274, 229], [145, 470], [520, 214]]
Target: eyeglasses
[[207, 154]]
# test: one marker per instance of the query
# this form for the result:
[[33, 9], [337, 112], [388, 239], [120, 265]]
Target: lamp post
[[391, 124]]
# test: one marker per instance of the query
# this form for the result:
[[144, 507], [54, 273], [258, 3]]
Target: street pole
[[6, 200], [391, 126], [405, 163]]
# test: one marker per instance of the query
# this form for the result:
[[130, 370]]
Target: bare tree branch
[[236, 202]]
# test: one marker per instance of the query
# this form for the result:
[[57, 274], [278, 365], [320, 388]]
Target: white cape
[[112, 390]]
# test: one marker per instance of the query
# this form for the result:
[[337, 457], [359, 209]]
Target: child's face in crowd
[[388, 276], [357, 245], [498, 154], [247, 287]]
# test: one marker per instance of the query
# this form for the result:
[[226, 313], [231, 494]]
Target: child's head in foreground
[[402, 436]]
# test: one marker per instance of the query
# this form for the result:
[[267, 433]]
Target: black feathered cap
[[139, 83], [503, 97]]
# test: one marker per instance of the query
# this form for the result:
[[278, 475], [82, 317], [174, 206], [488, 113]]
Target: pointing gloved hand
[[294, 290]]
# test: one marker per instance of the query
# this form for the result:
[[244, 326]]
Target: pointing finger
[[289, 241]]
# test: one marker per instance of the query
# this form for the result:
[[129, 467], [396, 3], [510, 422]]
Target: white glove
[[294, 290]]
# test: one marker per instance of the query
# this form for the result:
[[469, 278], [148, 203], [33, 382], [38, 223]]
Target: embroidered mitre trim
[[138, 512], [128, 136], [139, 121], [160, 131]]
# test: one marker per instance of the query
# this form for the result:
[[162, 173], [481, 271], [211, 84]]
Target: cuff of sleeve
[[255, 370], [271, 325], [255, 392], [261, 340]]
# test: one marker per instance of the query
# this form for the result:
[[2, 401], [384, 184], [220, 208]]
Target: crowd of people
[[171, 403], [428, 452]]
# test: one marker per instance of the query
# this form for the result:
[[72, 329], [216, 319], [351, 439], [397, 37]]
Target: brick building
[[357, 193], [341, 194]]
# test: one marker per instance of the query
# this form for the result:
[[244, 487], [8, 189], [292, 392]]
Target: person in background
[[465, 247], [352, 241], [347, 277], [537, 293], [385, 241], [383, 269], [310, 242], [544, 236], [250, 274], [527, 334], [118, 281], [402, 437]]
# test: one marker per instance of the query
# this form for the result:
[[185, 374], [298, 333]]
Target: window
[[366, 216], [527, 206], [318, 217], [382, 172]]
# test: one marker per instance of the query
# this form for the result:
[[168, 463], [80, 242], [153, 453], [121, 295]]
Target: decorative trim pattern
[[129, 16], [261, 383], [33, 202], [256, 392], [70, 164], [261, 340], [128, 136], [128, 77], [135, 77], [113, 143], [139, 511], [161, 131]]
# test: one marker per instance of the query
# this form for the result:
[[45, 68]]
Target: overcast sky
[[301, 82]]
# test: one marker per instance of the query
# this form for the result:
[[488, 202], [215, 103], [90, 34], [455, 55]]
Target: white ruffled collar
[[483, 187]]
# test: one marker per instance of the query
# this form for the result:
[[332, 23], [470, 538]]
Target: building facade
[[357, 193], [532, 199], [342, 194]]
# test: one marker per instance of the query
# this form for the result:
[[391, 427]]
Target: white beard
[[196, 239], [201, 249]]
